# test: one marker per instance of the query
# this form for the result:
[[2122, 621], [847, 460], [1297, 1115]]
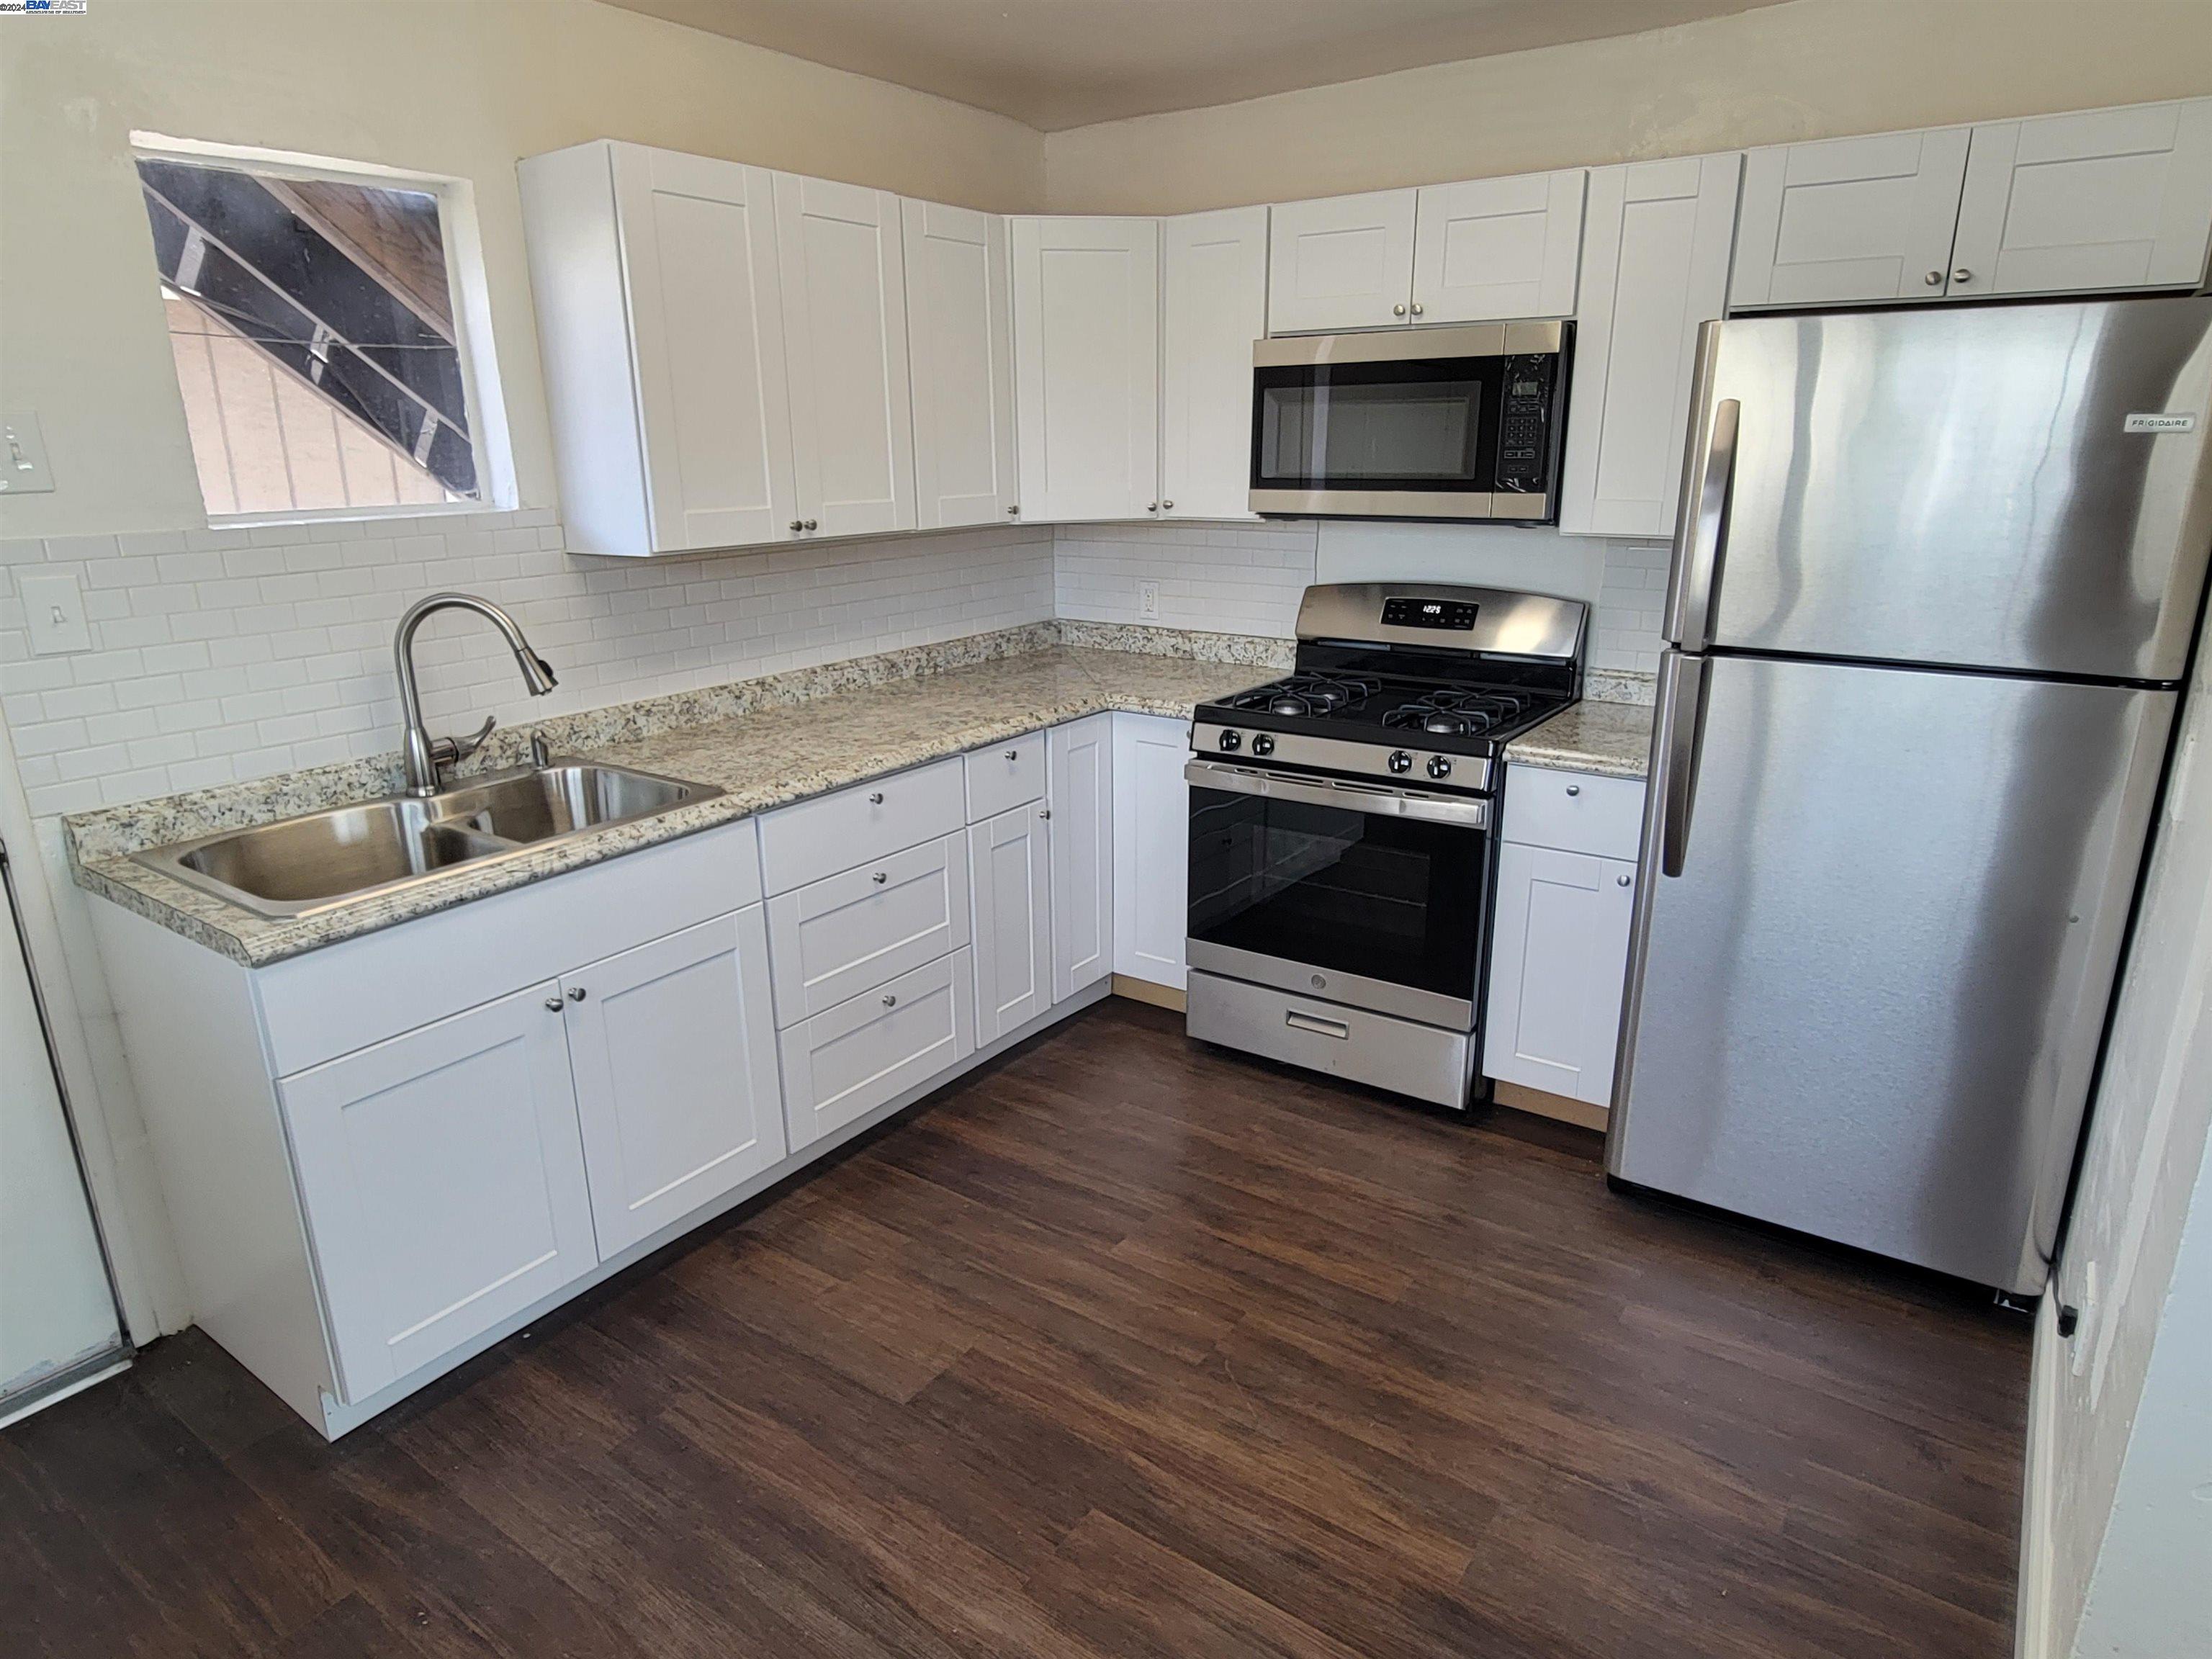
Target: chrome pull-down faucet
[[423, 756]]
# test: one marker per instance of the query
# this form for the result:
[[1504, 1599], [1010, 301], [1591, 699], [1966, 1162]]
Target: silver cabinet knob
[[880, 876], [1417, 307], [1397, 311], [1962, 275], [1623, 880], [1167, 506], [890, 1002], [875, 798], [1013, 754], [552, 1005], [798, 525], [1044, 812], [575, 993], [1934, 279], [812, 524], [1015, 511], [1151, 507], [1574, 789]]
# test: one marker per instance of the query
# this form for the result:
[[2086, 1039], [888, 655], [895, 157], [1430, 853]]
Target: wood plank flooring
[[1121, 1346]]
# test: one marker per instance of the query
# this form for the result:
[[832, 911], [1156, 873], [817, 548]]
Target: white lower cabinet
[[1080, 794], [674, 1056], [842, 1064], [1151, 847], [1012, 875], [441, 1177], [1558, 952], [832, 939]]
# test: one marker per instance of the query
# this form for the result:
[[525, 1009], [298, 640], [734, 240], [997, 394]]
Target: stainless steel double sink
[[302, 865]]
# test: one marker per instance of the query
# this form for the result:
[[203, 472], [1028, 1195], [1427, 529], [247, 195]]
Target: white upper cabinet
[[660, 316], [1213, 305], [1343, 262], [1655, 266], [1498, 248], [1848, 220], [844, 313], [2105, 199], [960, 350], [1086, 367]]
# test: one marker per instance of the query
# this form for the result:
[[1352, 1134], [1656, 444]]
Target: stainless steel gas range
[[1341, 852]]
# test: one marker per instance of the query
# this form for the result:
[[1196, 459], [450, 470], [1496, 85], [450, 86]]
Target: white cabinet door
[[1557, 965], [1213, 305], [1151, 847], [1081, 796], [960, 338], [1494, 248], [707, 328], [846, 1061], [1086, 367], [2111, 199], [1655, 266], [441, 1177], [844, 311], [1340, 262], [1848, 220], [1012, 884], [673, 1050]]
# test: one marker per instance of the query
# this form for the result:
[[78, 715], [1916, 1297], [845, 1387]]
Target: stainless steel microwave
[[1411, 424]]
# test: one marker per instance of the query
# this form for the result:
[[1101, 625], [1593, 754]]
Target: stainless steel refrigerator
[[1934, 588]]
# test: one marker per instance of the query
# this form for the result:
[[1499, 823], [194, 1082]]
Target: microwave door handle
[[1708, 482], [1678, 729]]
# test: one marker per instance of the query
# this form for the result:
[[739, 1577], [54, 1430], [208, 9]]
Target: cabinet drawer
[[845, 1062], [1573, 812], [1005, 776], [835, 939], [819, 838]]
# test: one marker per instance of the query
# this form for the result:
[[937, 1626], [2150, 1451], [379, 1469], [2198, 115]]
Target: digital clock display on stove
[[1403, 610]]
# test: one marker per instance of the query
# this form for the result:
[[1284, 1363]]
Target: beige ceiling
[[1059, 63]]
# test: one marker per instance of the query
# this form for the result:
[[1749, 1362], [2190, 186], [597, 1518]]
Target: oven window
[[1393, 426], [1393, 899]]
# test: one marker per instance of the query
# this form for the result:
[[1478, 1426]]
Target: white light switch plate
[[53, 609], [24, 469]]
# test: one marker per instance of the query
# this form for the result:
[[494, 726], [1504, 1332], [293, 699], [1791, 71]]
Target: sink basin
[[299, 865]]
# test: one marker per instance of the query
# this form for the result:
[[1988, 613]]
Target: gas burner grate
[[1458, 713], [1308, 693]]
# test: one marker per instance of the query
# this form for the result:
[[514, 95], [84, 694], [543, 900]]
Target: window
[[318, 338]]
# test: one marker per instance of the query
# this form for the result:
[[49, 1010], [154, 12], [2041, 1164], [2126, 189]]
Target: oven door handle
[[1351, 797]]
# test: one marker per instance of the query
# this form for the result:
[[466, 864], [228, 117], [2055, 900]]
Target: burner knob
[[1400, 761], [1262, 744], [1439, 767], [1232, 740]]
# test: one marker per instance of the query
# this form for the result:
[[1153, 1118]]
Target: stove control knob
[[1439, 767], [1399, 761], [1262, 744], [1232, 740]]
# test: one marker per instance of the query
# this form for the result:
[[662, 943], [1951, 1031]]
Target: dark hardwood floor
[[1120, 1346]]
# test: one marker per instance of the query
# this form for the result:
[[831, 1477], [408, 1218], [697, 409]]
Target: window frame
[[462, 242]]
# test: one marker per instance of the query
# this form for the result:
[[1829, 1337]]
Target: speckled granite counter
[[1612, 739], [763, 757]]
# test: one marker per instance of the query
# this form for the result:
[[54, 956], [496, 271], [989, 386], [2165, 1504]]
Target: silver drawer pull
[[1318, 1026], [890, 1002], [875, 798], [1574, 789], [880, 878]]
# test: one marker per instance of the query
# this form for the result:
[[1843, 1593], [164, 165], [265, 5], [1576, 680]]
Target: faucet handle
[[452, 751]]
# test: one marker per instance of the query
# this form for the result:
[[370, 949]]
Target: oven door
[[1450, 423], [1354, 893]]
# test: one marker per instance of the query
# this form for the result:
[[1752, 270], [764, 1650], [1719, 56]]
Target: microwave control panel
[[1523, 441]]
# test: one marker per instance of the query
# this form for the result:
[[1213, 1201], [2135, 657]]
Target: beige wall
[[1811, 69], [459, 89]]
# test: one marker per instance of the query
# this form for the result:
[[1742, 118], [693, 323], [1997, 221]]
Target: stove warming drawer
[[1401, 1055]]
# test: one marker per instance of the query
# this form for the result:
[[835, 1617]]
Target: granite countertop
[[761, 758], [1612, 739]]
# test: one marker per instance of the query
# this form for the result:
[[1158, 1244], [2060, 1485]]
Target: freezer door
[[1868, 1005], [2021, 486]]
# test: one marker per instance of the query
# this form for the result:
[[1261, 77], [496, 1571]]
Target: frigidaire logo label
[[2160, 423]]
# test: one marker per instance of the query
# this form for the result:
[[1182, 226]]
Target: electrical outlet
[[1148, 600], [24, 469], [53, 610]]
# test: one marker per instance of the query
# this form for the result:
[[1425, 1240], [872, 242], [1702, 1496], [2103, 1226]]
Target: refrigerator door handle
[[1679, 723], [1701, 527]]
